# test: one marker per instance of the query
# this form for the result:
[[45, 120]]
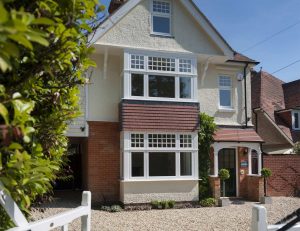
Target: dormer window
[[161, 17], [296, 120]]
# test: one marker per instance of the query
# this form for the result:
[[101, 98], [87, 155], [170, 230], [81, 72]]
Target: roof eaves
[[277, 127]]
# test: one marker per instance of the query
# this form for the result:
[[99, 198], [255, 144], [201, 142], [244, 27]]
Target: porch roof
[[236, 135]]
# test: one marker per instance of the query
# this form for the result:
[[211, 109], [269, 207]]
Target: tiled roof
[[115, 5], [273, 95], [236, 135], [242, 58], [292, 94]]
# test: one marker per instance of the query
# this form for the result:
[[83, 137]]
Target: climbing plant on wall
[[205, 139]]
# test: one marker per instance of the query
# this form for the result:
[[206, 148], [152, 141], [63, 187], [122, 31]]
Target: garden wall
[[285, 179]]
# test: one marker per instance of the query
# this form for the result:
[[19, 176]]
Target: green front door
[[227, 160]]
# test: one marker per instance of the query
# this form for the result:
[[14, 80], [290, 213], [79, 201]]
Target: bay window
[[157, 77], [296, 119], [137, 85], [162, 164], [160, 156], [137, 166], [161, 86], [185, 163]]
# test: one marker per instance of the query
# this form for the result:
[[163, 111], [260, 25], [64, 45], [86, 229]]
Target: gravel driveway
[[234, 217]]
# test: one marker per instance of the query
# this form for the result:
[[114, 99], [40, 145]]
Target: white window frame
[[227, 88], [294, 120], [146, 72], [127, 164], [164, 15]]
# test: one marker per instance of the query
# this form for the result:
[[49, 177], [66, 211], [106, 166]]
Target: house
[[160, 63], [276, 106], [276, 116]]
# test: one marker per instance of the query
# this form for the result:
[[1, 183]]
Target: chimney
[[115, 4]]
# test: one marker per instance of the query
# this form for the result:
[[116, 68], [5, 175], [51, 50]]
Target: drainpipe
[[245, 92]]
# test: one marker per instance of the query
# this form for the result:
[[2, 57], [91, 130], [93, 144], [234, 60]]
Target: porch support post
[[259, 161], [249, 161], [216, 164]]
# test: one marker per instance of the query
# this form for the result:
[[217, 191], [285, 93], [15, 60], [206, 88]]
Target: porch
[[238, 151]]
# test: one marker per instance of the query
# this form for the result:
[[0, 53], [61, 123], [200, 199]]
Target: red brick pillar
[[255, 188], [215, 186]]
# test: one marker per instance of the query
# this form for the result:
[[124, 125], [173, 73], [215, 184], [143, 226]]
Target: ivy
[[205, 139], [44, 55]]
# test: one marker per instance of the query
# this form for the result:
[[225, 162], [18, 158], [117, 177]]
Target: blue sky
[[244, 23]]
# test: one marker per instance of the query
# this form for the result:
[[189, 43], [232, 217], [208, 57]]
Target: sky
[[244, 23]]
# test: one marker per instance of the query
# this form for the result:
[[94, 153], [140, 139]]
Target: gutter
[[247, 62]]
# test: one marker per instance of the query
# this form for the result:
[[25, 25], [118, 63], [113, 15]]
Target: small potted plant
[[266, 173], [224, 175]]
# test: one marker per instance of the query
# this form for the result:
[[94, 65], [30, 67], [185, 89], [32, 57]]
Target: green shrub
[[111, 209], [105, 208], [164, 204], [115, 208], [171, 203], [296, 148], [156, 204], [208, 202], [266, 172], [224, 174]]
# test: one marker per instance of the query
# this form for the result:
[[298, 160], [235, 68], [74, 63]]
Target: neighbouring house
[[276, 115], [160, 63]]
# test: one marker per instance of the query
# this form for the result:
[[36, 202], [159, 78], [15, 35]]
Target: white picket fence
[[60, 220], [259, 221]]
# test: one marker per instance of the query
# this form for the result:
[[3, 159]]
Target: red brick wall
[[285, 179], [103, 161], [215, 186], [255, 188]]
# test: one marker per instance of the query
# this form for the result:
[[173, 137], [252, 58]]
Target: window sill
[[255, 175], [153, 34], [230, 110], [159, 180], [153, 99]]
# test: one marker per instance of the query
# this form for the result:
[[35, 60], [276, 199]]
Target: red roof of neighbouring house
[[236, 135], [292, 94], [275, 96]]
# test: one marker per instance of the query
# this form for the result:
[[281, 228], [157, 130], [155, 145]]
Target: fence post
[[86, 220], [12, 208], [259, 218]]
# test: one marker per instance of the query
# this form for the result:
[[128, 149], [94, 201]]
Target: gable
[[133, 31]]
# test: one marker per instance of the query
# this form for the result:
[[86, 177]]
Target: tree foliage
[[44, 55], [205, 139]]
